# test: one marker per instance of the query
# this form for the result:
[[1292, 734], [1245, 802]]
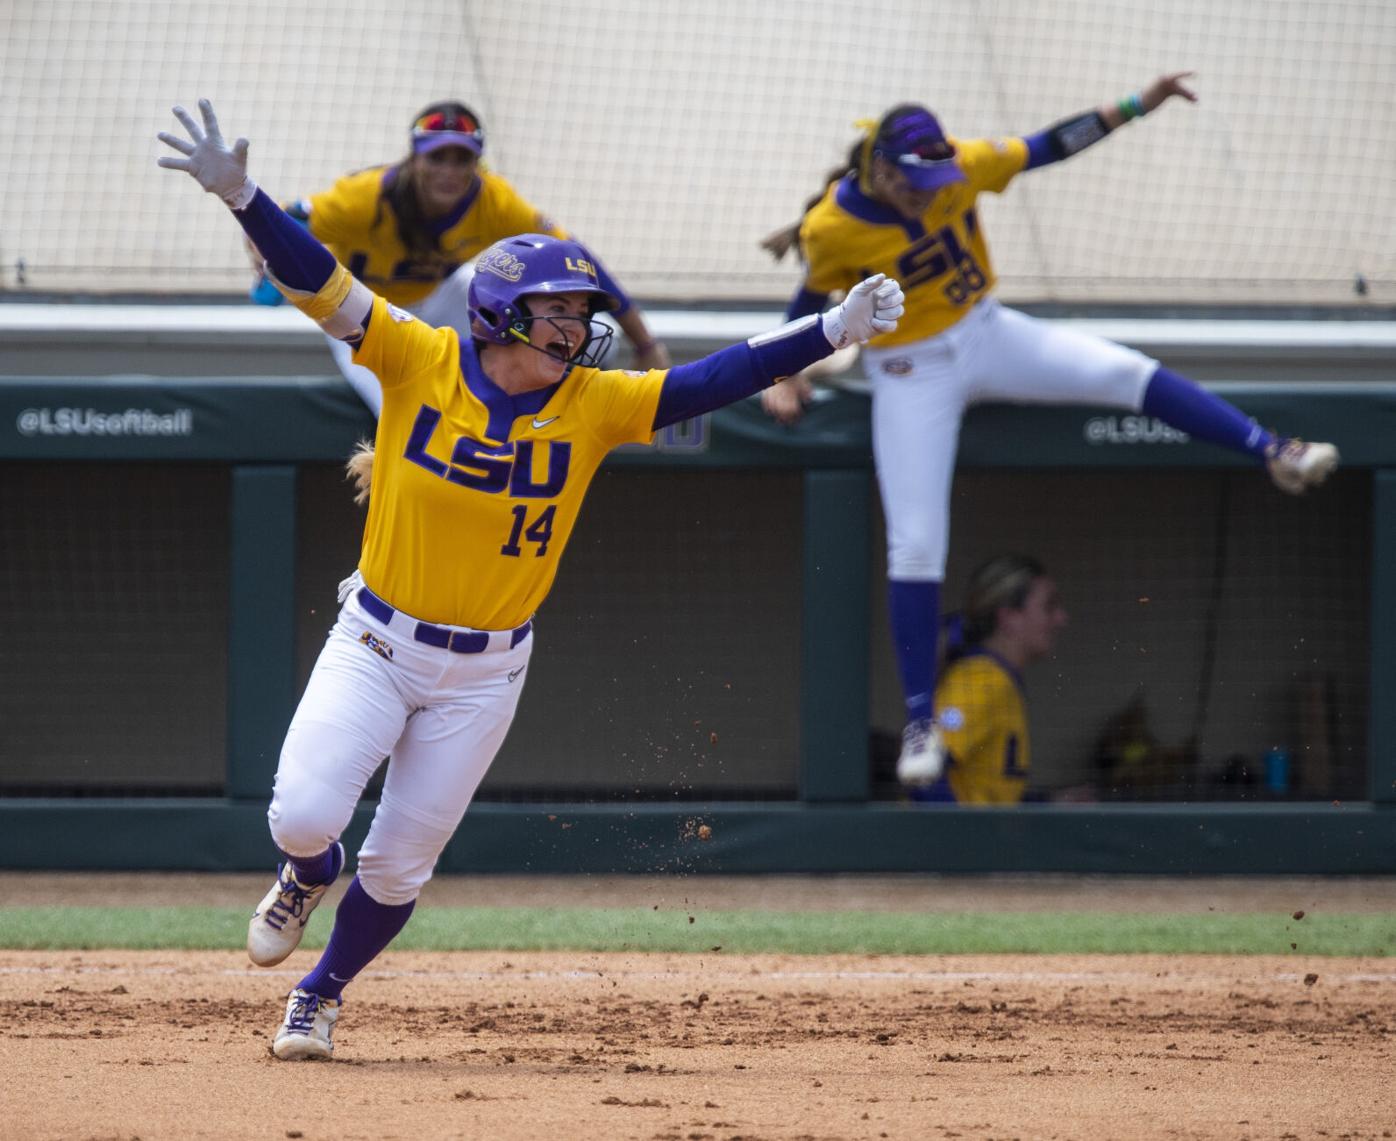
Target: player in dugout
[[904, 204], [486, 447], [408, 230], [1011, 617]]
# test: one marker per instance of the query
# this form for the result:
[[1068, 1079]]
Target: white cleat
[[1296, 466], [305, 1034], [277, 925], [922, 758]]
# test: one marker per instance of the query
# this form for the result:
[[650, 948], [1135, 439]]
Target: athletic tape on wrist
[[324, 304]]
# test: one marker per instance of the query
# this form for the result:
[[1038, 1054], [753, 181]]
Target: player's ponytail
[[780, 242]]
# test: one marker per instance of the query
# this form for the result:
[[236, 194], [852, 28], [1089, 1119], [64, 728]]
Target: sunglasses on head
[[928, 154], [445, 121]]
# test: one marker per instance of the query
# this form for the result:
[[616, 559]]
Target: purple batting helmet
[[528, 264]]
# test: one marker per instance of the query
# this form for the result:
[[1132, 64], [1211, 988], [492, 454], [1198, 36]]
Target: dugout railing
[[254, 449]]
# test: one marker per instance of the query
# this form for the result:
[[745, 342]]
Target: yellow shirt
[[984, 721], [361, 229], [941, 259], [475, 493]]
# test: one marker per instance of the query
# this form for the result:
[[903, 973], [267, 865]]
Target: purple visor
[[928, 173], [912, 140]]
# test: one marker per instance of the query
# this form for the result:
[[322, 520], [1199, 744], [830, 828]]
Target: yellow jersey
[[357, 223], [941, 258], [984, 721], [475, 492]]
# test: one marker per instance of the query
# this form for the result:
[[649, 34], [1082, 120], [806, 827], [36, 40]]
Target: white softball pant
[[438, 715], [920, 393], [446, 306]]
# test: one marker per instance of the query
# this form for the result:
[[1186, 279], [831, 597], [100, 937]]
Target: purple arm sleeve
[[1041, 152], [805, 302], [295, 256], [732, 373]]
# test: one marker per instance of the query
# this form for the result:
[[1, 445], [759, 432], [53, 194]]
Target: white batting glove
[[871, 307], [218, 168]]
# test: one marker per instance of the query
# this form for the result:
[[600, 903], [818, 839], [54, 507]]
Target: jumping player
[[904, 205], [408, 229], [486, 447]]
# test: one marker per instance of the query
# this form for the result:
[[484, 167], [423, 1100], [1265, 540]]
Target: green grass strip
[[804, 933]]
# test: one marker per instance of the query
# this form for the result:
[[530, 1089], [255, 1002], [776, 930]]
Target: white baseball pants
[[440, 718], [920, 393]]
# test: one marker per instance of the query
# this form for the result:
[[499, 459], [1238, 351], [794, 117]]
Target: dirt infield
[[713, 1047], [691, 1048]]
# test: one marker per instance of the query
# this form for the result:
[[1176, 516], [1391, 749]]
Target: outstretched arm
[[785, 402], [301, 267], [1071, 136], [872, 307]]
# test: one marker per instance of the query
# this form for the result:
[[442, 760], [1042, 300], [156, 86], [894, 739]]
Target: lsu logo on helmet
[[581, 265], [503, 264]]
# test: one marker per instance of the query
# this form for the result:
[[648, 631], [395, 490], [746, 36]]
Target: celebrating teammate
[[1011, 618], [904, 205], [486, 447], [407, 229]]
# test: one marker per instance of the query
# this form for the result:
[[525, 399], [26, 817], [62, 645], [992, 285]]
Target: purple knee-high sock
[[915, 611], [362, 928], [1188, 406]]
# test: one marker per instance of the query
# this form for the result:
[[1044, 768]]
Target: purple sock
[[362, 928], [915, 610], [1191, 408], [324, 868]]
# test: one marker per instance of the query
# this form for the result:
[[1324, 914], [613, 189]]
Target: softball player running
[[904, 205], [486, 446], [407, 230]]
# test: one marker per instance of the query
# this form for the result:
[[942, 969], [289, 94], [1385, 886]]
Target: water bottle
[[1277, 771]]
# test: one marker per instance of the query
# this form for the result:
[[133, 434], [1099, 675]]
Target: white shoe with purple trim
[[277, 925], [306, 1031], [1296, 466], [923, 753]]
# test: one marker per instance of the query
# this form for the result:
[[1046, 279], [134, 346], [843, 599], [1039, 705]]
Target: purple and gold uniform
[[467, 476], [355, 220], [481, 468], [984, 725], [941, 259]]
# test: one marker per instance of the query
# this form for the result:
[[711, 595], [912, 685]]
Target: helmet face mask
[[533, 265], [524, 327]]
